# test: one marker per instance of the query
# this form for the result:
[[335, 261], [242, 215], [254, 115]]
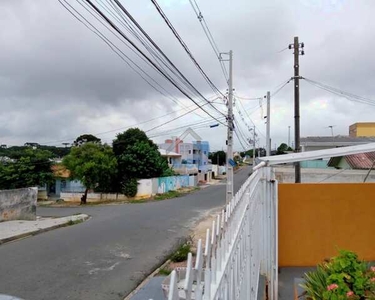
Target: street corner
[[19, 229]]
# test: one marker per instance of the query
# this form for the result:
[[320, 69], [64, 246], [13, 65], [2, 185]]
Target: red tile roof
[[60, 171], [361, 160]]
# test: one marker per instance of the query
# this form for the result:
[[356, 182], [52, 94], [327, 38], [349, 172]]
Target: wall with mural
[[172, 183]]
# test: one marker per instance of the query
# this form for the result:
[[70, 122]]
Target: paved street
[[106, 256]]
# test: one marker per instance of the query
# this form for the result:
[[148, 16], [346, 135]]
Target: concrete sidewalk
[[13, 230]]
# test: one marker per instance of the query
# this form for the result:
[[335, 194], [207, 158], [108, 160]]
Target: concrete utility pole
[[296, 46], [268, 142], [254, 137], [333, 137], [229, 189]]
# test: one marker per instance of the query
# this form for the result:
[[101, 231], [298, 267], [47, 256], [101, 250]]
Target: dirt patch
[[198, 232]]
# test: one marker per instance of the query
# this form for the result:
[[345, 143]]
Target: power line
[[282, 85], [330, 176], [156, 46], [209, 36], [243, 147], [186, 48], [120, 128], [341, 93], [176, 118], [239, 101], [117, 50], [201, 124], [152, 63], [247, 98], [129, 28], [239, 134]]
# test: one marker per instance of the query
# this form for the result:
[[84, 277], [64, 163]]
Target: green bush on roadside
[[130, 187], [181, 254]]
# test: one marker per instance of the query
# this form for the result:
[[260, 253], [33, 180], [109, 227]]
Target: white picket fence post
[[240, 246]]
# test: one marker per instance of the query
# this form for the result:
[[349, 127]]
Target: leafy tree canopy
[[29, 168], [282, 148], [129, 138], [218, 157], [16, 152], [92, 163], [137, 156], [86, 138]]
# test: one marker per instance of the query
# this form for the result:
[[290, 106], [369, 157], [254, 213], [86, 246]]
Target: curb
[[146, 280], [36, 232]]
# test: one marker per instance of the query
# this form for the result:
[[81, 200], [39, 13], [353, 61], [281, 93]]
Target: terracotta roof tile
[[361, 160]]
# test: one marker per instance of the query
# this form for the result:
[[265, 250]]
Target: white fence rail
[[240, 246]]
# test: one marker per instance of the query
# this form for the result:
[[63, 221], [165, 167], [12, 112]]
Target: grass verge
[[71, 222], [168, 195], [164, 271]]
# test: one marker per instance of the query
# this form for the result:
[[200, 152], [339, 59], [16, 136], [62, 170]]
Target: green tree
[[32, 167], [282, 148], [18, 151], [86, 138], [218, 157], [93, 164], [137, 157], [129, 138]]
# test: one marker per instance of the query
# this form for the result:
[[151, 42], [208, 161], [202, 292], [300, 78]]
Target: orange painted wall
[[317, 219]]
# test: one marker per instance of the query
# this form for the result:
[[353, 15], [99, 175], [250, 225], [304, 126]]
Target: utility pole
[[268, 142], [254, 136], [333, 138], [296, 46], [288, 136], [229, 189]]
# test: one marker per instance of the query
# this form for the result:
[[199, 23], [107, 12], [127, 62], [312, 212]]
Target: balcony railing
[[240, 246]]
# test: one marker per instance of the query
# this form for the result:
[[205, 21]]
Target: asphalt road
[[106, 256]]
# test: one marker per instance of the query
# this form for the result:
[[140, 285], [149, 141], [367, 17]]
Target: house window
[[205, 152], [189, 151], [194, 161]]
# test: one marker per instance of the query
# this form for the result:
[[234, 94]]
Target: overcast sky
[[59, 80]]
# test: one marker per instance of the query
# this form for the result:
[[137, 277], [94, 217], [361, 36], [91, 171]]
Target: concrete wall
[[315, 164], [286, 175], [146, 189], [218, 170], [92, 197], [171, 183], [193, 180], [42, 194], [19, 204], [184, 169], [343, 164], [317, 219]]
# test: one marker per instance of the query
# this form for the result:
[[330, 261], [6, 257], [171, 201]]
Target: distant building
[[327, 142], [363, 129], [313, 143], [360, 161], [195, 152], [172, 157], [63, 182], [32, 145], [194, 155]]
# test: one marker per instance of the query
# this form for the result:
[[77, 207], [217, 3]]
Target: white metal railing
[[240, 246]]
